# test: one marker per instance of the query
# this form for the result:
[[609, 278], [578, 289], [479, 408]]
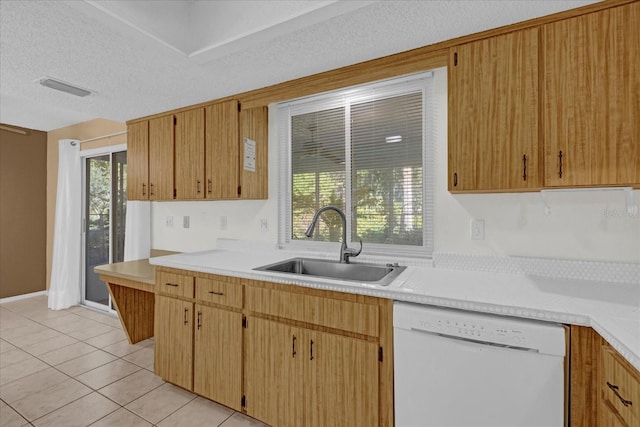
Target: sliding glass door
[[105, 196]]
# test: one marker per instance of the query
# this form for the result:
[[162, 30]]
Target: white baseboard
[[25, 296]]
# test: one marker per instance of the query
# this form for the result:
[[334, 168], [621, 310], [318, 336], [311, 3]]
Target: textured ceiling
[[145, 57]]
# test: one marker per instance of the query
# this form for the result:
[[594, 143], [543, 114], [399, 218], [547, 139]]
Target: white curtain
[[64, 290], [137, 234]]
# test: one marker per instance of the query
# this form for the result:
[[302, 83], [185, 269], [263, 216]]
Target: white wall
[[591, 225]]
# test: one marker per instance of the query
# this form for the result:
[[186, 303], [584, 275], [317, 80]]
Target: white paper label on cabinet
[[249, 155]]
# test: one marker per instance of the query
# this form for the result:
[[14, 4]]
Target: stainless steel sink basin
[[368, 273]]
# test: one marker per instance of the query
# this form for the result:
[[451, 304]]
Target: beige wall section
[[23, 179], [81, 131]]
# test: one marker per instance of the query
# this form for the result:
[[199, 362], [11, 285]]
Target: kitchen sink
[[369, 273]]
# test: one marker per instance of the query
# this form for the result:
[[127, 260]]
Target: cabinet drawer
[[620, 383], [215, 291], [330, 312], [175, 284]]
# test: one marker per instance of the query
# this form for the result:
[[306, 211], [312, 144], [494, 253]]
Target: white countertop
[[612, 309]]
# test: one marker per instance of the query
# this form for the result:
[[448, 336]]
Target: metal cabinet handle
[[199, 316], [614, 388], [311, 350], [560, 164], [455, 179], [198, 186], [216, 293], [151, 192], [171, 284], [144, 189], [293, 347], [209, 186], [186, 314], [524, 167]]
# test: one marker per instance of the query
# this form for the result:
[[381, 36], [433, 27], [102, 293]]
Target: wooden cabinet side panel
[[174, 341], [138, 161], [189, 155], [591, 98], [273, 382], [161, 171], [254, 125], [222, 151], [584, 373], [493, 119], [217, 357], [341, 376]]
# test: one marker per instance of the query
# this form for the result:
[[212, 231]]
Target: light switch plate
[[477, 229], [169, 221], [186, 222]]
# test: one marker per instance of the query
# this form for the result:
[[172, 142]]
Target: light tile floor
[[75, 367]]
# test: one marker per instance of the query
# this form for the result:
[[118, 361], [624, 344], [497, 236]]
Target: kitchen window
[[366, 150]]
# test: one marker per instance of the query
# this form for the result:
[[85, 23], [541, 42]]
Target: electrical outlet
[[477, 229], [185, 222], [169, 221], [264, 224], [223, 222]]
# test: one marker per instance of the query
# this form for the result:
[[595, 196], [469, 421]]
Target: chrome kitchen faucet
[[345, 252]]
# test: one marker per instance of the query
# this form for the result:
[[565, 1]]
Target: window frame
[[421, 82]]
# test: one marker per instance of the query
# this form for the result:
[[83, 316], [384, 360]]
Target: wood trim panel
[[135, 310], [407, 62], [146, 287], [329, 312], [584, 373]]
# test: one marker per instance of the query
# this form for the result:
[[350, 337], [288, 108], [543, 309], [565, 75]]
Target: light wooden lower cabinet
[[217, 355], [300, 377], [605, 388], [283, 354], [174, 341]]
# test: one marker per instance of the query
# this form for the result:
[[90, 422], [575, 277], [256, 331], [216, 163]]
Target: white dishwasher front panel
[[443, 379]]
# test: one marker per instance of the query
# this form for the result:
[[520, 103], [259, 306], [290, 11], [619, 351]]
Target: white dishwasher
[[457, 368]]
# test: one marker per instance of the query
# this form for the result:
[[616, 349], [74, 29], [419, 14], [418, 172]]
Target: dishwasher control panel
[[481, 327]]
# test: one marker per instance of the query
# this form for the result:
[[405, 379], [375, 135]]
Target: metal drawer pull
[[186, 313], [171, 284], [216, 293], [293, 349], [614, 388]]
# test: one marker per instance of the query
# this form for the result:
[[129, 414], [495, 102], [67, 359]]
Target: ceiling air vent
[[64, 87]]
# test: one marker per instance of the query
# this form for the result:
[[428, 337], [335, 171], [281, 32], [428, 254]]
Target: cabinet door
[[173, 333], [189, 152], [218, 364], [341, 381], [254, 153], [591, 98], [273, 372], [493, 114], [138, 161], [222, 153], [161, 158]]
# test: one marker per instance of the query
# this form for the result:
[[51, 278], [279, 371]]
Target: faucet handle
[[349, 252]]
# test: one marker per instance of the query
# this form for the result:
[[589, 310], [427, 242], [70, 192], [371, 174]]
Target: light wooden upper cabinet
[[493, 114], [189, 154], [222, 153], [138, 161], [591, 99], [161, 158], [254, 156]]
